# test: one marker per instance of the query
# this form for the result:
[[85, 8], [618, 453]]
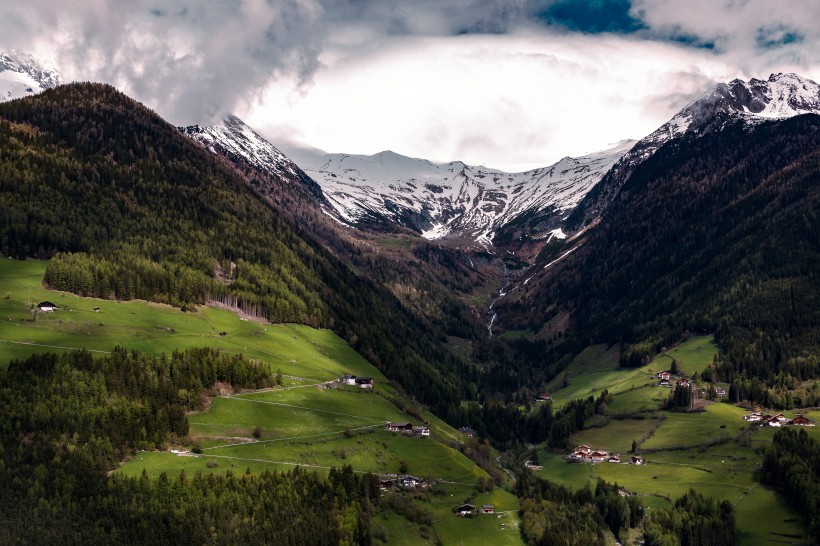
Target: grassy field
[[685, 457], [500, 528], [718, 421], [617, 436], [303, 424], [557, 469], [594, 370], [153, 328], [693, 355], [642, 399]]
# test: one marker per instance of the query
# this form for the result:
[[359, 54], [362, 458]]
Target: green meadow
[[616, 436], [693, 355], [718, 422], [152, 328], [683, 450], [301, 423]]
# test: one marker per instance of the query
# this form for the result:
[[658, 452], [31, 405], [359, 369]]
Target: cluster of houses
[[404, 482], [409, 429], [361, 382], [467, 509], [665, 380], [585, 454], [777, 420]]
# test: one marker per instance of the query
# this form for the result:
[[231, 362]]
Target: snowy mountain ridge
[[781, 96], [451, 200], [235, 139], [22, 75]]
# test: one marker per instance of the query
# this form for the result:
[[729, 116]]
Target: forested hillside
[[718, 232], [131, 208], [68, 420]]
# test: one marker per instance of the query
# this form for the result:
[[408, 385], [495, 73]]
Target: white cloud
[[511, 101], [361, 76]]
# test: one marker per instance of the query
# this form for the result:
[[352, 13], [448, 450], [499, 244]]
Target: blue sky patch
[[593, 16]]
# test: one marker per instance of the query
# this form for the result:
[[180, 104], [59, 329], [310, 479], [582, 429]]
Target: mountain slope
[[780, 97], [717, 231], [146, 213], [451, 200], [233, 139]]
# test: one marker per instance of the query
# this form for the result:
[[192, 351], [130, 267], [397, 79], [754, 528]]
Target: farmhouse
[[411, 482], [400, 427], [348, 380], [636, 459], [465, 510], [364, 382], [384, 485], [46, 307], [543, 397], [467, 431], [614, 458], [533, 466], [487, 509], [598, 456], [720, 391], [421, 430], [752, 417], [584, 454], [773, 422], [664, 375], [683, 383], [799, 420]]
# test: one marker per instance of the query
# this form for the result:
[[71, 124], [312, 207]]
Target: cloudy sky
[[511, 84]]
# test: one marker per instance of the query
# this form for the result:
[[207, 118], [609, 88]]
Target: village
[[778, 420], [586, 454]]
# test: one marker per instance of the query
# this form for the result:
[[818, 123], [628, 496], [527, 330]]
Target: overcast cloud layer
[[507, 83]]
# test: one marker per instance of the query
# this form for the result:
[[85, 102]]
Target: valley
[[183, 326], [301, 423], [312, 422]]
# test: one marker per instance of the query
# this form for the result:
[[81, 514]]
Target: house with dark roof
[[467, 431], [403, 426], [465, 509], [46, 307], [364, 382], [799, 420]]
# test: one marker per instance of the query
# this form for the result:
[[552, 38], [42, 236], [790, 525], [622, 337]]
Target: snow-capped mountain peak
[[22, 75], [781, 96], [237, 140], [452, 200]]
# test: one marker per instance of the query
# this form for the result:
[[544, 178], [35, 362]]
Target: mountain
[[22, 75], [235, 140], [780, 97], [128, 207], [717, 231], [452, 200]]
